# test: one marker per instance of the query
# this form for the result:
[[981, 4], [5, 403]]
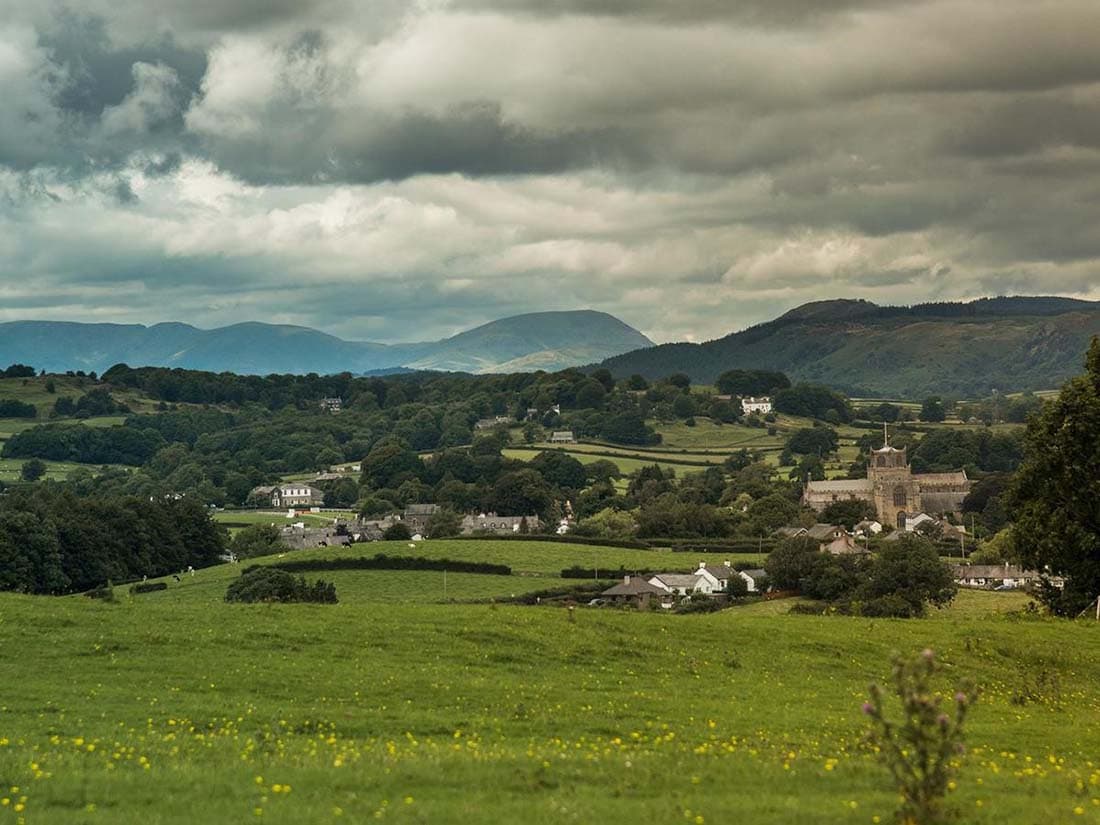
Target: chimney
[[727, 563], [626, 579], [702, 565]]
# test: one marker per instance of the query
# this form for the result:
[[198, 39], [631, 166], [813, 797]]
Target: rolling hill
[[543, 340], [955, 349]]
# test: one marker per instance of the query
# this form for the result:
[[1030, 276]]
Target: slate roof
[[637, 586]]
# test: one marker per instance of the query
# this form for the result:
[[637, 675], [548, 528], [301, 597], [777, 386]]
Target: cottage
[[296, 495], [750, 405], [755, 580], [719, 575], [499, 525], [993, 576], [843, 545], [868, 528], [686, 584], [416, 516], [636, 591], [825, 532], [563, 437], [332, 405]]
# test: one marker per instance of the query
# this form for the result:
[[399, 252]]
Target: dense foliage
[[52, 541], [269, 584], [1055, 495]]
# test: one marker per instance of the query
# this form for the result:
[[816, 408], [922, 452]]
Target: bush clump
[[147, 587], [269, 584]]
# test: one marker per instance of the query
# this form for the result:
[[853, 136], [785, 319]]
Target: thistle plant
[[922, 749]]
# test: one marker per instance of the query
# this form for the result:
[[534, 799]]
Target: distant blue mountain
[[542, 340]]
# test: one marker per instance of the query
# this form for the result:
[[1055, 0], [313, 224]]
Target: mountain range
[[543, 340], [968, 349]]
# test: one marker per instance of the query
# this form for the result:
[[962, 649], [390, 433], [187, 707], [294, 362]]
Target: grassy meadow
[[175, 707]]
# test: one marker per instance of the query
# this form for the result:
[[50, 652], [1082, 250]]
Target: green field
[[236, 519], [175, 707]]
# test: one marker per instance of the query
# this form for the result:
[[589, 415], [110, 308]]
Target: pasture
[[175, 707]]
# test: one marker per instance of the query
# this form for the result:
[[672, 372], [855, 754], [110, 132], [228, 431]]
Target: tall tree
[[1056, 493]]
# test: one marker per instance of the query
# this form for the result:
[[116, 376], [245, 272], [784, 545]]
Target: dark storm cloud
[[414, 168], [753, 12]]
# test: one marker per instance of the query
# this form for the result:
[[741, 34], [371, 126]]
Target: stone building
[[896, 492]]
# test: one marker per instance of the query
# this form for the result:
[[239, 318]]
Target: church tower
[[896, 494]]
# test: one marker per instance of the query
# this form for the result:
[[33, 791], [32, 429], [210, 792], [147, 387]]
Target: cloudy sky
[[393, 171]]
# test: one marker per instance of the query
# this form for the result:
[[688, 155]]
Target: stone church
[[896, 492]]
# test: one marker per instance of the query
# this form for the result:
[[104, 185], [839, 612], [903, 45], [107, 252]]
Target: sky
[[400, 171]]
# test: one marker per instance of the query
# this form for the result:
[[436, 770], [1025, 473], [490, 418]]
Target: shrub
[[147, 587], [921, 750], [269, 584], [106, 593], [701, 605], [398, 531]]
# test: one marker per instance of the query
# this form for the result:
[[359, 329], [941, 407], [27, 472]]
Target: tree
[[32, 470], [909, 572], [443, 523], [1053, 496], [737, 587], [637, 383], [932, 409], [560, 469], [848, 512], [679, 380], [818, 441], [257, 540], [683, 406], [521, 493], [398, 531], [791, 562], [751, 382]]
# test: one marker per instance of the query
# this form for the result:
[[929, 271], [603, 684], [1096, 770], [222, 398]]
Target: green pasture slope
[[175, 707]]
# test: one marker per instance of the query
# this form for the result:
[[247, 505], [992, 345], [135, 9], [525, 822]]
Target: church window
[[899, 497], [901, 521]]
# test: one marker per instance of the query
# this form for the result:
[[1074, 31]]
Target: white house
[[296, 495], [754, 579], [563, 437], [685, 584], [868, 528], [913, 522], [719, 575], [756, 405]]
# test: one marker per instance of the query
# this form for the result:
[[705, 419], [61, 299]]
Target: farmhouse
[[332, 405], [563, 437], [994, 575], [417, 516], [750, 405], [896, 492], [755, 579], [296, 495], [684, 584], [636, 591], [499, 525]]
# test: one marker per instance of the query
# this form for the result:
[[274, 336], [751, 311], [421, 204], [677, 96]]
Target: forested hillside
[[962, 349]]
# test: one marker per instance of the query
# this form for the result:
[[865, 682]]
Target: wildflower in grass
[[921, 750]]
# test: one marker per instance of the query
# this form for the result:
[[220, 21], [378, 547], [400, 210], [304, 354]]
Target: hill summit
[[541, 340], [963, 349]]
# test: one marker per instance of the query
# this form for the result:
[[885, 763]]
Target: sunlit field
[[176, 707]]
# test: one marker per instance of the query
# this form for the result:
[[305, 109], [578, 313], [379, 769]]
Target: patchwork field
[[175, 707]]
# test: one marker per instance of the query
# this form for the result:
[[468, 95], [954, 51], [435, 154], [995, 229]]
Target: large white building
[[756, 405]]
